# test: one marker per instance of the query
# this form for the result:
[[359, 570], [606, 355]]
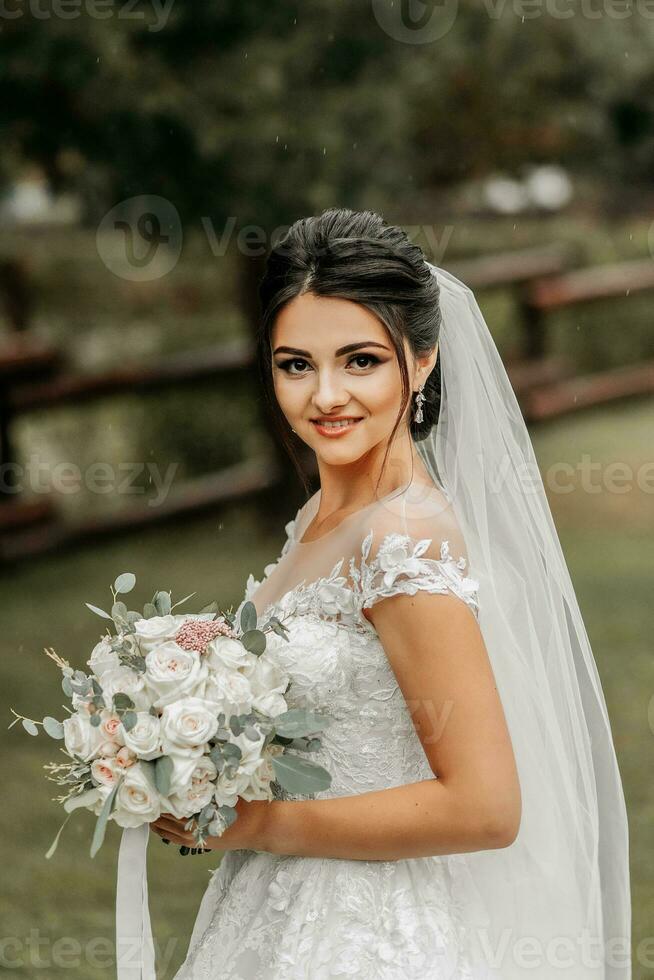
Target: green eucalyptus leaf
[[125, 582], [149, 611], [96, 720], [52, 727], [298, 721], [101, 825], [297, 775], [211, 608], [119, 612], [53, 846], [248, 617], [30, 727], [129, 719], [254, 641], [229, 814], [162, 603], [66, 686], [148, 768], [122, 701], [277, 627], [97, 611], [163, 772]]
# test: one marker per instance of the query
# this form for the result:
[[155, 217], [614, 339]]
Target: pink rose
[[125, 758]]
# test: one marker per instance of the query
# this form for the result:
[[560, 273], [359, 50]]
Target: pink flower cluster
[[195, 634]]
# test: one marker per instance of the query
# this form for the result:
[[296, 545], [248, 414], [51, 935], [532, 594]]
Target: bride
[[475, 824]]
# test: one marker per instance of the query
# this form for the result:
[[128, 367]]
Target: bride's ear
[[425, 364]]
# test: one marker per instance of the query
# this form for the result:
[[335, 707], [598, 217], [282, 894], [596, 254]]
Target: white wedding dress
[[277, 917]]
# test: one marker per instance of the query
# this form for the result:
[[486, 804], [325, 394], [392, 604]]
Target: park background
[[149, 157]]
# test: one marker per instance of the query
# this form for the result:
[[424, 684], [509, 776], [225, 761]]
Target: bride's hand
[[247, 831]]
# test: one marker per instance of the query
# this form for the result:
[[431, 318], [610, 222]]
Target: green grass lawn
[[608, 540]]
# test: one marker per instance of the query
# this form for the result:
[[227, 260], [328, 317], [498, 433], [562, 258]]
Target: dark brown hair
[[355, 255]]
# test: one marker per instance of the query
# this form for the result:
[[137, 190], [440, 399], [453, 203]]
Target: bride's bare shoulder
[[419, 512]]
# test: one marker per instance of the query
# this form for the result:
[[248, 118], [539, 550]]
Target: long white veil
[[558, 899]]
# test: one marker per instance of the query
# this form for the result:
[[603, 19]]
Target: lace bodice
[[283, 917], [337, 663]]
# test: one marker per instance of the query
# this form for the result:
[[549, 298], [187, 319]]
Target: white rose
[[250, 751], [230, 690], [145, 737], [228, 790], [185, 762], [197, 793], [188, 723], [190, 802], [103, 658], [171, 673], [223, 651], [124, 680], [268, 683], [205, 770], [105, 772], [270, 704], [137, 802], [81, 738], [150, 632], [258, 787]]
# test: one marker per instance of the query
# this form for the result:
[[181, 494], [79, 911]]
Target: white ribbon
[[134, 945]]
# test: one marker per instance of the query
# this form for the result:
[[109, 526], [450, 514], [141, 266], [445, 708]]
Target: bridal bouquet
[[179, 714]]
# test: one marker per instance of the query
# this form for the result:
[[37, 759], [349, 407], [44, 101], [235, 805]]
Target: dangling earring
[[420, 398]]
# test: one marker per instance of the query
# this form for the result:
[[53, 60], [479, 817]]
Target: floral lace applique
[[397, 568]]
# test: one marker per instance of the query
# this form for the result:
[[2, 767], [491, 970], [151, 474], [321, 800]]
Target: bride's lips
[[335, 431]]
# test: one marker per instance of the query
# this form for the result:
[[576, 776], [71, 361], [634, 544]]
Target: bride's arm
[[438, 654]]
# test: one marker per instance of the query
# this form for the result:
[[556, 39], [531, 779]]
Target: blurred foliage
[[268, 111], [200, 429]]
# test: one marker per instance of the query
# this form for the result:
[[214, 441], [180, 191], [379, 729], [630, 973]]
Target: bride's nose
[[329, 392]]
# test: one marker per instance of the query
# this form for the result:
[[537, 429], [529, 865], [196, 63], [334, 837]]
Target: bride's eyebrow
[[341, 350]]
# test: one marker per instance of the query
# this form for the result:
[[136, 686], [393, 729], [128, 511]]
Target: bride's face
[[336, 376]]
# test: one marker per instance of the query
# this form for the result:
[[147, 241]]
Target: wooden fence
[[33, 378]]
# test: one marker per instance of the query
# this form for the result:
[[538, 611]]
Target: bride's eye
[[370, 360], [291, 363]]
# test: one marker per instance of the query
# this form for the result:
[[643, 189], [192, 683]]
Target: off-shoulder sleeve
[[413, 542], [401, 566]]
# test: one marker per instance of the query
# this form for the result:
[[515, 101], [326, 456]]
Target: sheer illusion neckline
[[398, 491]]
